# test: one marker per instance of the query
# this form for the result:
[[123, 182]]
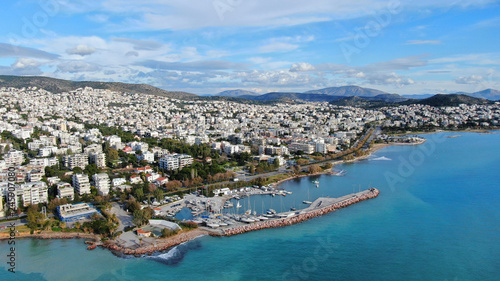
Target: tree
[[111, 154], [33, 217], [313, 169], [296, 169], [91, 169]]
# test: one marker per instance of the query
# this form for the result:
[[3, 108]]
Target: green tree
[[34, 217]]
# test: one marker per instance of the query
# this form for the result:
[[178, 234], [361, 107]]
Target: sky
[[208, 46]]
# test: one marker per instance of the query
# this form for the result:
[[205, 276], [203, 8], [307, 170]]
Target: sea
[[437, 218]]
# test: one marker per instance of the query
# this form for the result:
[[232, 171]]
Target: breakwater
[[311, 212]]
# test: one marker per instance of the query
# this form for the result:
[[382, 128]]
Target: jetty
[[319, 207]]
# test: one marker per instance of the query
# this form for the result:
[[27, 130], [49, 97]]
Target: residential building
[[101, 182], [14, 158], [81, 183], [75, 212], [34, 193], [65, 190], [175, 161], [76, 160], [98, 158]]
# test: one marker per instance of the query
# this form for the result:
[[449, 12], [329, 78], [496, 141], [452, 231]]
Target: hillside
[[58, 85], [449, 100]]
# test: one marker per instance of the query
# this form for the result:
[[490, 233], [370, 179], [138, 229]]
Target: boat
[[316, 182], [238, 205], [247, 220], [248, 212], [262, 218], [212, 225], [293, 209], [271, 212], [317, 185], [307, 202]]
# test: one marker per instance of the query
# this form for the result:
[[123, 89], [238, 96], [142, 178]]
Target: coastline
[[51, 235], [162, 244]]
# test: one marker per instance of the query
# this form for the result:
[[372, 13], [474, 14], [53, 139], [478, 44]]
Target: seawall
[[309, 213]]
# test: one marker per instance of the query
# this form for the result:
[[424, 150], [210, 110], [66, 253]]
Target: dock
[[319, 207]]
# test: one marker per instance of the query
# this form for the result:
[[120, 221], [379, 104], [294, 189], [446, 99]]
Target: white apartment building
[[148, 156], [44, 161], [65, 190], [14, 158], [81, 183], [98, 158], [118, 181], [175, 161], [101, 182], [47, 151], [76, 160], [34, 193]]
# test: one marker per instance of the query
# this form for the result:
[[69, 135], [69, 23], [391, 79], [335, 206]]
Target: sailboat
[[238, 205], [307, 202]]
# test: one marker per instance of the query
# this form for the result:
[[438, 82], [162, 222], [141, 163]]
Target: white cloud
[[25, 63], [77, 66], [473, 79], [302, 66], [82, 50]]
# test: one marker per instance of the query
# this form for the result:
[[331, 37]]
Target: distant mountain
[[348, 91], [363, 102], [290, 97], [237, 93], [382, 100], [448, 100], [418, 97], [489, 94], [58, 85]]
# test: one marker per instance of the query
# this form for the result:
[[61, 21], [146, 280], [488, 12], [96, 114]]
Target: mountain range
[[58, 85], [345, 95]]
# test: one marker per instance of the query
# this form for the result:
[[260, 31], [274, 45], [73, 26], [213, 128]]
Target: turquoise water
[[437, 218]]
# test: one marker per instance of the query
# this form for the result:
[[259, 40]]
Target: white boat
[[248, 212], [238, 205], [317, 185], [247, 220], [212, 225], [262, 218], [316, 182], [307, 202]]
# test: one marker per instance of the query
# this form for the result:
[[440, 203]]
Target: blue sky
[[208, 46]]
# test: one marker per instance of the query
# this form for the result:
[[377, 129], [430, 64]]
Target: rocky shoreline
[[159, 245]]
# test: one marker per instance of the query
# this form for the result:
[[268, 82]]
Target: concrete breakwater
[[309, 213]]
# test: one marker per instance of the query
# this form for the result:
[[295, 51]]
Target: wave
[[176, 255], [383, 158]]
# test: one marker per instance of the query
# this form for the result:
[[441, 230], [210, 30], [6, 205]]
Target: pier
[[319, 207]]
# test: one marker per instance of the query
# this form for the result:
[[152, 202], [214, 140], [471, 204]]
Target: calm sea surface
[[437, 218]]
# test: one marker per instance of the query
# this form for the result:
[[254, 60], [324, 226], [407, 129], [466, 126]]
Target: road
[[124, 217]]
